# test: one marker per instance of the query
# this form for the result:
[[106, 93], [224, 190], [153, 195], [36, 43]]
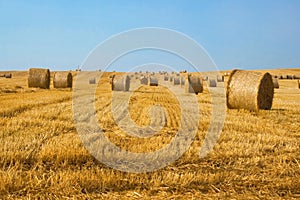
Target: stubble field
[[41, 155]]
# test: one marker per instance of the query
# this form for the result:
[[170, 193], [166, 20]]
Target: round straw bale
[[39, 78], [289, 76], [166, 78], [275, 82], [182, 80], [249, 90], [120, 83], [153, 81], [92, 81], [8, 75], [144, 80], [193, 84], [220, 78], [62, 80], [176, 81], [171, 78], [212, 83], [296, 77]]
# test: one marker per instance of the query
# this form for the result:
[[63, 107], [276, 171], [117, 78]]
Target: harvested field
[[256, 157]]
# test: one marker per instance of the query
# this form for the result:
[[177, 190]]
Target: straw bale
[[220, 78], [144, 80], [249, 90], [120, 83], [193, 84], [153, 81], [62, 80], [275, 82], [212, 83], [39, 78], [176, 81]]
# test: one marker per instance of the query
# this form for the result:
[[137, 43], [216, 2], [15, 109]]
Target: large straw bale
[[39, 78], [249, 90], [120, 83], [62, 80], [193, 84]]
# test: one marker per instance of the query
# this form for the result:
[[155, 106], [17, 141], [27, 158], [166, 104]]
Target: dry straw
[[39, 78], [144, 80], [249, 90], [275, 82], [62, 80], [120, 83], [212, 83], [298, 84], [153, 81], [193, 84]]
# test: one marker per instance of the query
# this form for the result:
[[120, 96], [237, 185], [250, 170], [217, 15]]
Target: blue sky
[[60, 34]]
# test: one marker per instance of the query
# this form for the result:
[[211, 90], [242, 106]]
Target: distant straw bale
[[8, 75], [144, 80], [275, 82], [62, 80], [296, 77], [249, 90], [171, 78], [92, 81], [289, 76], [120, 83], [39, 78], [212, 83], [176, 81], [220, 78], [166, 78], [193, 84], [153, 81], [182, 80]]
